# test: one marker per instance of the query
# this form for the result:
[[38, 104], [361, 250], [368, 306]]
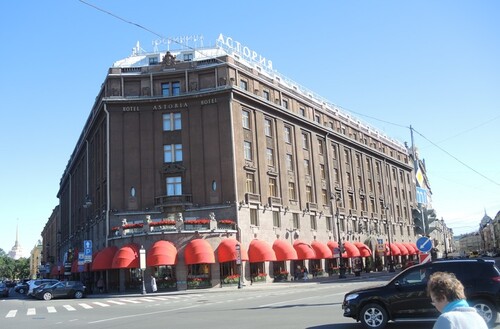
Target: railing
[[173, 200]]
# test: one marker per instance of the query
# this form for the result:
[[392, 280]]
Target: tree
[[13, 268]]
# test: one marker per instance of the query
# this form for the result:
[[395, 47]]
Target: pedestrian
[[100, 284], [297, 273], [154, 288], [448, 297], [306, 273]]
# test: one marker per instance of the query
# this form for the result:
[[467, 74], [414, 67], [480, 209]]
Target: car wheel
[[486, 310], [78, 294], [47, 296], [373, 316], [21, 291]]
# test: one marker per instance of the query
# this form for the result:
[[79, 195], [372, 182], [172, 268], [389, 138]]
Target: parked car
[[63, 289], [4, 290], [32, 284], [21, 287], [405, 297]]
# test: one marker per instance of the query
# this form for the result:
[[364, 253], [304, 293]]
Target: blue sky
[[429, 64]]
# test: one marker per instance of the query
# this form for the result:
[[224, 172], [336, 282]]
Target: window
[[276, 219], [245, 119], [324, 196], [174, 186], [171, 88], [153, 60], [317, 118], [322, 171], [314, 223], [296, 221], [305, 141], [268, 128], [247, 149], [187, 57], [336, 175], [285, 103], [172, 153], [329, 224], [244, 84], [289, 162], [321, 147], [254, 217], [172, 121], [307, 167], [347, 157], [302, 112], [265, 94], [250, 183], [292, 194], [348, 179], [272, 186], [288, 135], [270, 157], [309, 194]]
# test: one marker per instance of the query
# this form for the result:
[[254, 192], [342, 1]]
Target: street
[[312, 305]]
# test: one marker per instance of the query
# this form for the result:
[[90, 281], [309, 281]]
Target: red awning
[[284, 250], [335, 245], [304, 250], [411, 250], [364, 251], [126, 257], [351, 250], [74, 266], [394, 249], [104, 259], [321, 250], [402, 248], [54, 271], [162, 253], [226, 252], [414, 245], [260, 251], [199, 251]]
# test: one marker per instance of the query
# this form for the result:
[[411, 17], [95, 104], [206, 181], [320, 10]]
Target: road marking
[[149, 300], [85, 306], [101, 304], [51, 309], [69, 307], [115, 302], [11, 314], [31, 311], [130, 301]]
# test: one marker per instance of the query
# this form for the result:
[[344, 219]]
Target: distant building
[[17, 251]]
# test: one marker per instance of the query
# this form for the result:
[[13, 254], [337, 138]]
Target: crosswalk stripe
[[11, 314], [115, 302], [51, 309], [31, 311], [101, 304], [149, 300], [130, 301], [69, 307], [85, 306]]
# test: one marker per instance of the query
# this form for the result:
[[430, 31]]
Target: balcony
[[274, 201], [312, 206], [252, 198], [164, 201]]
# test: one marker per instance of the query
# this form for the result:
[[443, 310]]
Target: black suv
[[405, 297]]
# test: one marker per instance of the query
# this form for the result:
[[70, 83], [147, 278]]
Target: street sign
[[336, 252], [238, 254], [87, 251], [424, 244], [424, 258]]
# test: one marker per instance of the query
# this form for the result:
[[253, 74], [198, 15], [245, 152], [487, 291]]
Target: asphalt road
[[311, 305]]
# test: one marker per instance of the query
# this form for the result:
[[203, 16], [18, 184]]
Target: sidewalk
[[368, 277]]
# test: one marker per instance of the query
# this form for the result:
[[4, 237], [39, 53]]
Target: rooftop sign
[[232, 46]]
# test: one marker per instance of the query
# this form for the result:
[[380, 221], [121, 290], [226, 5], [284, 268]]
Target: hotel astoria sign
[[168, 106], [230, 45]]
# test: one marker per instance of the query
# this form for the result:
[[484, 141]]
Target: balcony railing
[[173, 200]]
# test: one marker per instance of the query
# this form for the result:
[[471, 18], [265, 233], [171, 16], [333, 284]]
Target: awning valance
[[199, 251], [126, 257], [393, 249], [402, 248], [104, 259], [162, 253], [351, 250], [260, 251], [410, 249], [304, 250], [364, 251], [226, 252], [284, 250], [321, 250]]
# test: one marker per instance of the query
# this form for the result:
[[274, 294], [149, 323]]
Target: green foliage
[[12, 268]]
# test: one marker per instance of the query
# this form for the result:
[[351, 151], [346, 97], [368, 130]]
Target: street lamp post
[[238, 263], [142, 265], [341, 248], [389, 227]]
